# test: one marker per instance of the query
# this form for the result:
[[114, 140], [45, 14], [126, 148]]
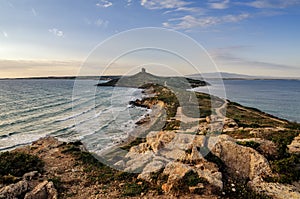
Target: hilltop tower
[[143, 70]]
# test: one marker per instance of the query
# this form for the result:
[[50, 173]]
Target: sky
[[57, 37]]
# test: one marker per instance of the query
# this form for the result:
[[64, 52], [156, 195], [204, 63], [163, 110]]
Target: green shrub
[[19, 163], [250, 144], [134, 189]]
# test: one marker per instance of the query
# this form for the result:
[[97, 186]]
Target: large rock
[[210, 172], [158, 139], [14, 191], [153, 167], [44, 190], [294, 147], [275, 190], [137, 161], [242, 161], [177, 148], [176, 171]]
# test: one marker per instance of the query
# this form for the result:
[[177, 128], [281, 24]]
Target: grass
[[103, 174], [16, 164], [135, 189], [251, 144]]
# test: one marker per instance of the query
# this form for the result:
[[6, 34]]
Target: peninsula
[[227, 151]]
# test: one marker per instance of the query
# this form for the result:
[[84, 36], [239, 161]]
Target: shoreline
[[168, 162]]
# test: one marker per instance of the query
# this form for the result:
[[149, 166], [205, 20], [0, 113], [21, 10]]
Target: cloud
[[271, 3], [223, 4], [229, 60], [196, 10], [104, 4], [33, 12], [163, 4], [101, 23], [56, 32], [5, 34], [129, 2], [189, 21]]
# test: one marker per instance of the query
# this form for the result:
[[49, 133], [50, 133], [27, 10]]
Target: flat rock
[[153, 167], [242, 161], [275, 190], [14, 191], [44, 190], [137, 161]]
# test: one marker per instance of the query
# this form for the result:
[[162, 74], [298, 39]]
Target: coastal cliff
[[251, 155]]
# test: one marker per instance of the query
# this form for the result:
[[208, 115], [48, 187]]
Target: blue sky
[[54, 37]]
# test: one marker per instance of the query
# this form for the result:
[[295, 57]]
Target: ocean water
[[280, 98], [100, 116], [30, 109]]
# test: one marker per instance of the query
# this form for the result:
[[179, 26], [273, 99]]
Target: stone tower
[[143, 70]]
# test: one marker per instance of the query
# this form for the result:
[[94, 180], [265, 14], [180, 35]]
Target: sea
[[102, 116]]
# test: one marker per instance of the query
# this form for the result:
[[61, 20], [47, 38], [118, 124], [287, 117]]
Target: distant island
[[143, 78]]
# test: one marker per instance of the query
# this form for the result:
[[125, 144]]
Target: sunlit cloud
[[104, 4], [163, 4], [56, 32], [190, 21]]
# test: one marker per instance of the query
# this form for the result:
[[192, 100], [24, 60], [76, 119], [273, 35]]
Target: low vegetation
[[14, 165]]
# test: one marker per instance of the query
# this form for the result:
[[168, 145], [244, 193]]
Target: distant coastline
[[207, 76]]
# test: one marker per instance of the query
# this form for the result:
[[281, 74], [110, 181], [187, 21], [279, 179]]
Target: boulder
[[141, 148], [44, 190], [294, 147], [158, 139], [242, 161], [137, 161], [153, 167], [210, 172], [14, 191], [275, 190], [176, 171], [30, 175]]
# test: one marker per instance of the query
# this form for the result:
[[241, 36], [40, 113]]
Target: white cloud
[[5, 34], [189, 21], [33, 12], [223, 4], [56, 32], [163, 4], [129, 2], [271, 3], [101, 23], [197, 10], [104, 4]]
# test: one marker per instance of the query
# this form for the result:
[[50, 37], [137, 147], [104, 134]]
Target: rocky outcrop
[[44, 190], [294, 147], [275, 190], [175, 172], [27, 189], [14, 191], [266, 147], [240, 160]]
